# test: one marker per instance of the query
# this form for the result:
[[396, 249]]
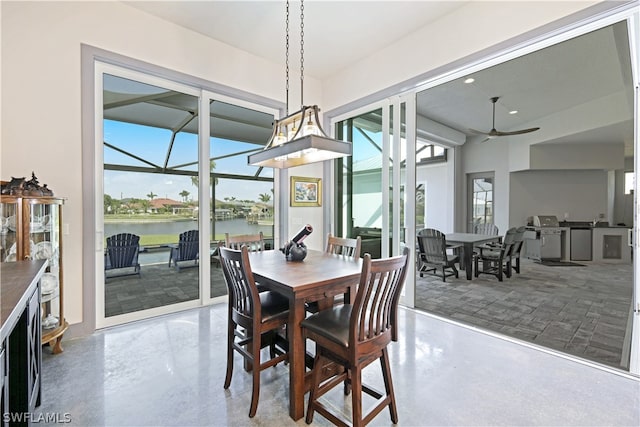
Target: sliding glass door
[[171, 185], [374, 187]]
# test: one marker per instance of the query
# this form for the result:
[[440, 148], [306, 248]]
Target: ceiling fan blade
[[516, 132], [493, 133], [478, 132]]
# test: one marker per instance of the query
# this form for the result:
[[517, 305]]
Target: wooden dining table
[[468, 241], [319, 277]]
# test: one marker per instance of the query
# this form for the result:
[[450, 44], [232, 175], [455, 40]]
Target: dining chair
[[254, 320], [433, 256], [254, 242], [122, 252], [496, 261], [348, 247], [351, 337], [187, 249]]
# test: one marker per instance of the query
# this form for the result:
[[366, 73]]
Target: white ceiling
[[578, 72], [336, 33]]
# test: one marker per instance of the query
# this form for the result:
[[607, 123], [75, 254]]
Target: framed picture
[[306, 191]]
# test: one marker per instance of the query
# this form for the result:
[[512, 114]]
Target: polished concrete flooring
[[169, 371], [581, 311]]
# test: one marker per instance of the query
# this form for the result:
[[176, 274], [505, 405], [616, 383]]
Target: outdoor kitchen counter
[[611, 244]]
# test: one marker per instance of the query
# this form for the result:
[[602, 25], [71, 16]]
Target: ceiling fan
[[493, 133]]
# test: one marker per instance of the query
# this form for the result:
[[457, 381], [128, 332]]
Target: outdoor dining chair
[[433, 256]]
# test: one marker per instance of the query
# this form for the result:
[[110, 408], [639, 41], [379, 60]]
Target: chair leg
[[444, 274], [315, 384], [230, 338], [388, 385], [255, 393], [356, 396]]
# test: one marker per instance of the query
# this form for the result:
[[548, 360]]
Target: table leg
[[297, 367], [468, 255]]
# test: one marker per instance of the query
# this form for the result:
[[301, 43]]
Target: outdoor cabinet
[[31, 229]]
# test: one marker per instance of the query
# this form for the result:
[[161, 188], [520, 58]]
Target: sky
[[152, 145]]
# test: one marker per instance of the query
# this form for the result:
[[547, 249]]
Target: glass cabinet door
[[9, 230], [30, 229]]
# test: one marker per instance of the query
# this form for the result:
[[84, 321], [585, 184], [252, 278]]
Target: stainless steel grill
[[545, 241]]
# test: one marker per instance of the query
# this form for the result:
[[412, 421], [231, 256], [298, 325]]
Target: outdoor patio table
[[468, 241]]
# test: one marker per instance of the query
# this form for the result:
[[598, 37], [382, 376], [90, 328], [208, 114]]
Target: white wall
[[581, 194], [298, 217], [41, 92], [438, 185]]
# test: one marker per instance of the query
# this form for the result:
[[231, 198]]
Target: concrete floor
[[170, 371], [582, 311]]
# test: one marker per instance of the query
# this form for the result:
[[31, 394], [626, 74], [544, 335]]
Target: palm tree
[[151, 195], [184, 194], [196, 182], [265, 197]]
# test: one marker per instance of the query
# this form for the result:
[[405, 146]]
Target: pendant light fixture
[[298, 138]]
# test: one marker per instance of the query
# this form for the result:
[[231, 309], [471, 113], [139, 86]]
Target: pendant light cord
[[301, 54], [287, 59]]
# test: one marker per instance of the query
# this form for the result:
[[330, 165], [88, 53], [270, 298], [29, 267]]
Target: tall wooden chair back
[[254, 319], [354, 336], [254, 242], [348, 247]]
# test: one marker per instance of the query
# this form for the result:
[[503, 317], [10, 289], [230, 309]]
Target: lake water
[[231, 226]]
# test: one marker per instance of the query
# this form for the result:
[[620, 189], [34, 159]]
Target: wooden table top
[[317, 269]]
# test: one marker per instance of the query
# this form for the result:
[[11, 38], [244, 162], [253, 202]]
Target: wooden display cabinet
[[31, 228]]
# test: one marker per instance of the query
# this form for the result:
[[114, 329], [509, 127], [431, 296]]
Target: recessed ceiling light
[[513, 112], [470, 80]]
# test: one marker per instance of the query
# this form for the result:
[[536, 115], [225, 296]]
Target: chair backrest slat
[[244, 299], [254, 242], [349, 247], [374, 311]]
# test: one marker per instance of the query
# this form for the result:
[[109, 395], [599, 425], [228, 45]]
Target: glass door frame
[[204, 195], [471, 177], [391, 178], [101, 69]]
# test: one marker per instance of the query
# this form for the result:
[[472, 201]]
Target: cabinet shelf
[[31, 228]]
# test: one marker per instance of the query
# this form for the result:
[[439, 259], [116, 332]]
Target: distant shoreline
[[146, 220]]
